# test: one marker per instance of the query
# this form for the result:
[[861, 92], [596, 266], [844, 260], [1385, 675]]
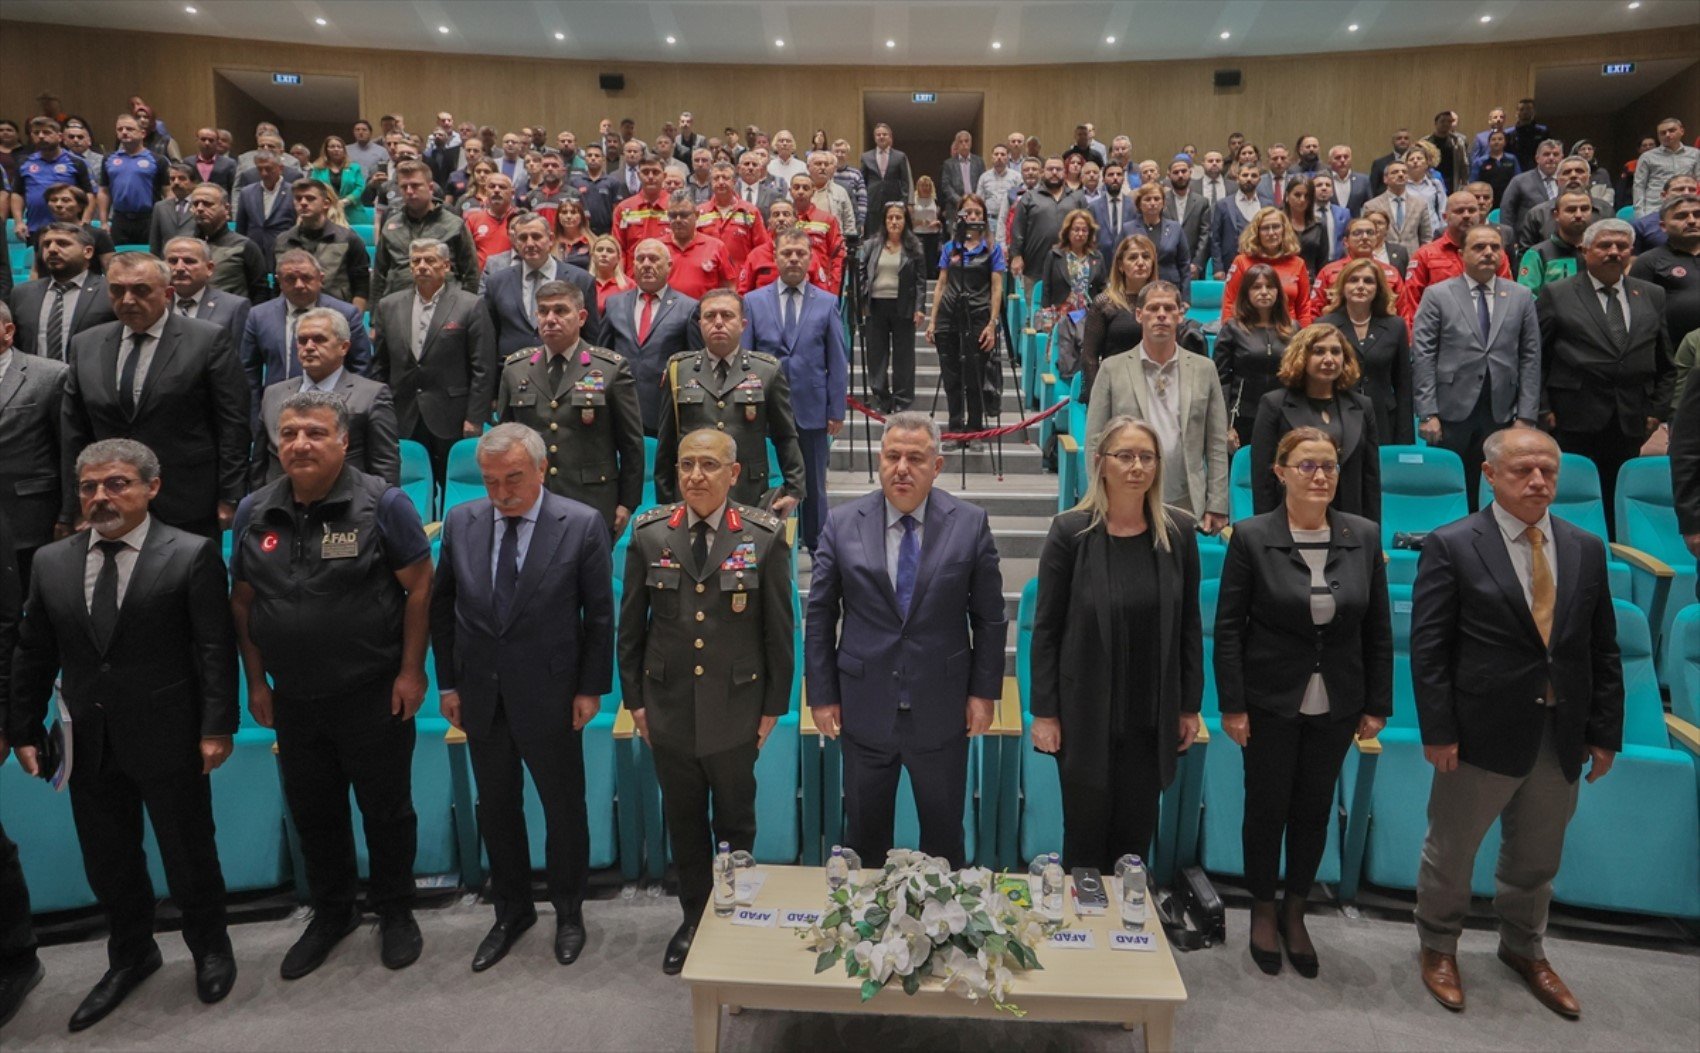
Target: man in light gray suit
[[31, 388], [1413, 220], [193, 296], [1475, 355], [321, 344], [1180, 396]]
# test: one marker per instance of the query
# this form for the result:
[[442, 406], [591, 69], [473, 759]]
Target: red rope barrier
[[967, 436]]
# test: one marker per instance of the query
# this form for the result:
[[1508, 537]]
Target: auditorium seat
[[464, 482], [1206, 306], [1627, 212], [1646, 519], [1239, 486], [1682, 663], [416, 479], [39, 820], [1030, 348], [1422, 487]]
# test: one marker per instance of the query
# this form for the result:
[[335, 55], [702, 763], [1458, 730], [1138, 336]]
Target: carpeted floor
[[1636, 995]]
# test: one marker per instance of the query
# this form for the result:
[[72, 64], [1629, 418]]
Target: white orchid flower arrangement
[[918, 918]]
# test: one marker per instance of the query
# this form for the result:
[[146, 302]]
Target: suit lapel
[[663, 304], [93, 287], [480, 536], [1567, 561], [1499, 311], [162, 358], [725, 540], [1591, 306], [1351, 425], [13, 382], [149, 562], [439, 318], [873, 543], [1490, 545], [546, 537], [1098, 571], [941, 520]]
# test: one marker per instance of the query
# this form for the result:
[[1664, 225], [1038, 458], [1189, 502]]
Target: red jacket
[[700, 266], [1295, 283], [1324, 285], [739, 228], [489, 234], [635, 220], [822, 228], [1432, 264], [760, 269]]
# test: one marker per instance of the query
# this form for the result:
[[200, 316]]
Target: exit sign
[[286, 78], [1617, 69], [925, 96]]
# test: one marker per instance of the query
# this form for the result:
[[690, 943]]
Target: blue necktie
[[908, 562], [1482, 312], [791, 298], [507, 567]]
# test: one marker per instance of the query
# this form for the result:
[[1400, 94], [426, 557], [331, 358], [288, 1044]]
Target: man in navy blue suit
[[912, 574], [268, 339], [797, 322], [650, 324], [511, 281], [522, 627]]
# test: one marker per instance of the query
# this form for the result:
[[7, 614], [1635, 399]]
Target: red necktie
[[647, 316]]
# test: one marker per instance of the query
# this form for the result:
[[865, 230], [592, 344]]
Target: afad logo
[[268, 541]]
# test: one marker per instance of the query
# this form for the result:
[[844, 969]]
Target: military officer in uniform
[[583, 400], [742, 393], [706, 651]]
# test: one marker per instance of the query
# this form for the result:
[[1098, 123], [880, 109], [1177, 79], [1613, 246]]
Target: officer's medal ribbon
[[750, 383]]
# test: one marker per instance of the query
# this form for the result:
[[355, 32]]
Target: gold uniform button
[[554, 403], [699, 643], [701, 587], [554, 449], [554, 427], [701, 616], [554, 471], [699, 670], [721, 404], [720, 424]]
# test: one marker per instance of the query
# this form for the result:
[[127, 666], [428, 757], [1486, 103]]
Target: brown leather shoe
[[1546, 985], [1440, 976]]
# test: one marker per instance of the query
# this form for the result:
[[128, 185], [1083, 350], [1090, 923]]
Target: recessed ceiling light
[[1635, 5], [191, 11], [560, 36], [1486, 19], [891, 43], [1109, 40], [320, 22], [442, 29], [1225, 34], [779, 43], [672, 40], [1353, 28], [997, 45]]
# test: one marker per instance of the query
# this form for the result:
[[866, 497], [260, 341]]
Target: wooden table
[[735, 966]]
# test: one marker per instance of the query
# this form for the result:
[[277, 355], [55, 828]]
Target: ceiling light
[[997, 45], [320, 22], [1635, 5], [891, 43], [560, 36], [191, 11], [1225, 34], [1109, 40], [672, 40], [1353, 28], [442, 29], [1486, 19], [779, 43]]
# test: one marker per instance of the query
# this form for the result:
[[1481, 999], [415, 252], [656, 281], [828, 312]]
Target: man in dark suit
[[31, 484], [650, 324], [211, 166], [70, 300], [753, 187], [797, 323], [1351, 189], [437, 352], [511, 281], [154, 627], [1609, 372], [1378, 167], [1518, 680], [268, 344], [240, 266], [959, 175], [265, 208], [172, 384], [192, 294], [321, 346], [886, 171], [1540, 220], [1112, 209], [1188, 208], [171, 216], [524, 654], [912, 574], [1532, 186], [1231, 218], [732, 649], [20, 966]]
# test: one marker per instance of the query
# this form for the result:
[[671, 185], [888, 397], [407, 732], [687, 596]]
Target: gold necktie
[[1541, 594]]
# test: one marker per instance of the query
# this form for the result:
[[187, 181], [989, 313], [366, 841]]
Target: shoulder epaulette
[[607, 353], [763, 356], [654, 515], [764, 519], [680, 356], [523, 353]]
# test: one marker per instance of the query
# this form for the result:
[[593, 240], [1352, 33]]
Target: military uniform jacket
[[753, 405], [707, 651], [589, 420]]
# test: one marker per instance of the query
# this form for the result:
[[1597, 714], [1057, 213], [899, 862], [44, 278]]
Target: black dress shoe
[[323, 933], [569, 940], [500, 940], [113, 988], [402, 941], [214, 976], [1268, 961], [1306, 964], [678, 948], [15, 984]]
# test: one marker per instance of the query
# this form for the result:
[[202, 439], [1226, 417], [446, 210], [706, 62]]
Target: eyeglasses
[[113, 484], [1329, 468], [1128, 458], [705, 465]]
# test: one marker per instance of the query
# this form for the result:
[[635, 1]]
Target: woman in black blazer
[[1303, 605], [1111, 327], [1075, 270], [1249, 348], [1118, 649], [1360, 305], [892, 280], [1318, 374]]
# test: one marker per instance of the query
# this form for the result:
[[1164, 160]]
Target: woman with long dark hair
[[1249, 347], [1111, 325], [892, 274]]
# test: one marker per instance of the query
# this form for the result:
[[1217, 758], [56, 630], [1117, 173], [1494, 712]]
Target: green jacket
[[1550, 261]]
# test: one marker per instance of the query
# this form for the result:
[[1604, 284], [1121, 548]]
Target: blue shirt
[[527, 524], [135, 181], [949, 247], [36, 174]]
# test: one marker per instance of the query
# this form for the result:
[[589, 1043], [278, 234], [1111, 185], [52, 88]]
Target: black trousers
[[1291, 767], [1465, 438], [890, 336], [107, 803], [437, 449], [817, 449], [556, 762], [1608, 448], [17, 935], [938, 777], [324, 746], [129, 228], [706, 800], [962, 365], [1103, 823]]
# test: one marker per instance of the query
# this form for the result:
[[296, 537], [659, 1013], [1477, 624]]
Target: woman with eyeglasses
[[1118, 649], [1318, 379], [1362, 239], [1303, 605]]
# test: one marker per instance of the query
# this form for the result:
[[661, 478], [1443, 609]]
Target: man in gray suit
[[1530, 188], [31, 388], [69, 300], [1486, 328], [1188, 208], [192, 294], [753, 187], [437, 351], [650, 324], [171, 215], [321, 344], [959, 175]]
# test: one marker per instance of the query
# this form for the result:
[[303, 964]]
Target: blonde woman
[[924, 221], [1118, 649], [605, 267], [334, 169], [1270, 238]]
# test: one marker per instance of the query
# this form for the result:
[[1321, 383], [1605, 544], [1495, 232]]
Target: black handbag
[[1192, 913]]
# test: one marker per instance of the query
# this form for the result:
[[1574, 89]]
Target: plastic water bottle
[[837, 869], [1051, 886], [725, 881], [1130, 872]]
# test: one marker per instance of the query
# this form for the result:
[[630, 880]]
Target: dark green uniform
[[588, 416], [1552, 260], [752, 404], [706, 652]]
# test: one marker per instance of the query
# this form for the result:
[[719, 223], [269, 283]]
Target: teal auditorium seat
[[1422, 487], [1646, 519], [464, 483], [39, 820], [1634, 843], [1627, 212], [417, 481], [1240, 505], [1682, 663], [1206, 306]]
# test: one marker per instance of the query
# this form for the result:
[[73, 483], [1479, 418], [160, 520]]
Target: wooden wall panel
[[1355, 97]]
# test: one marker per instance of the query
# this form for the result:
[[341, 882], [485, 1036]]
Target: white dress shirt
[[5, 363], [71, 296], [1623, 297], [194, 303], [1248, 205], [527, 523], [423, 309], [126, 558], [1163, 413], [1522, 554], [529, 287], [149, 346], [327, 385], [894, 535], [637, 309], [268, 198]]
